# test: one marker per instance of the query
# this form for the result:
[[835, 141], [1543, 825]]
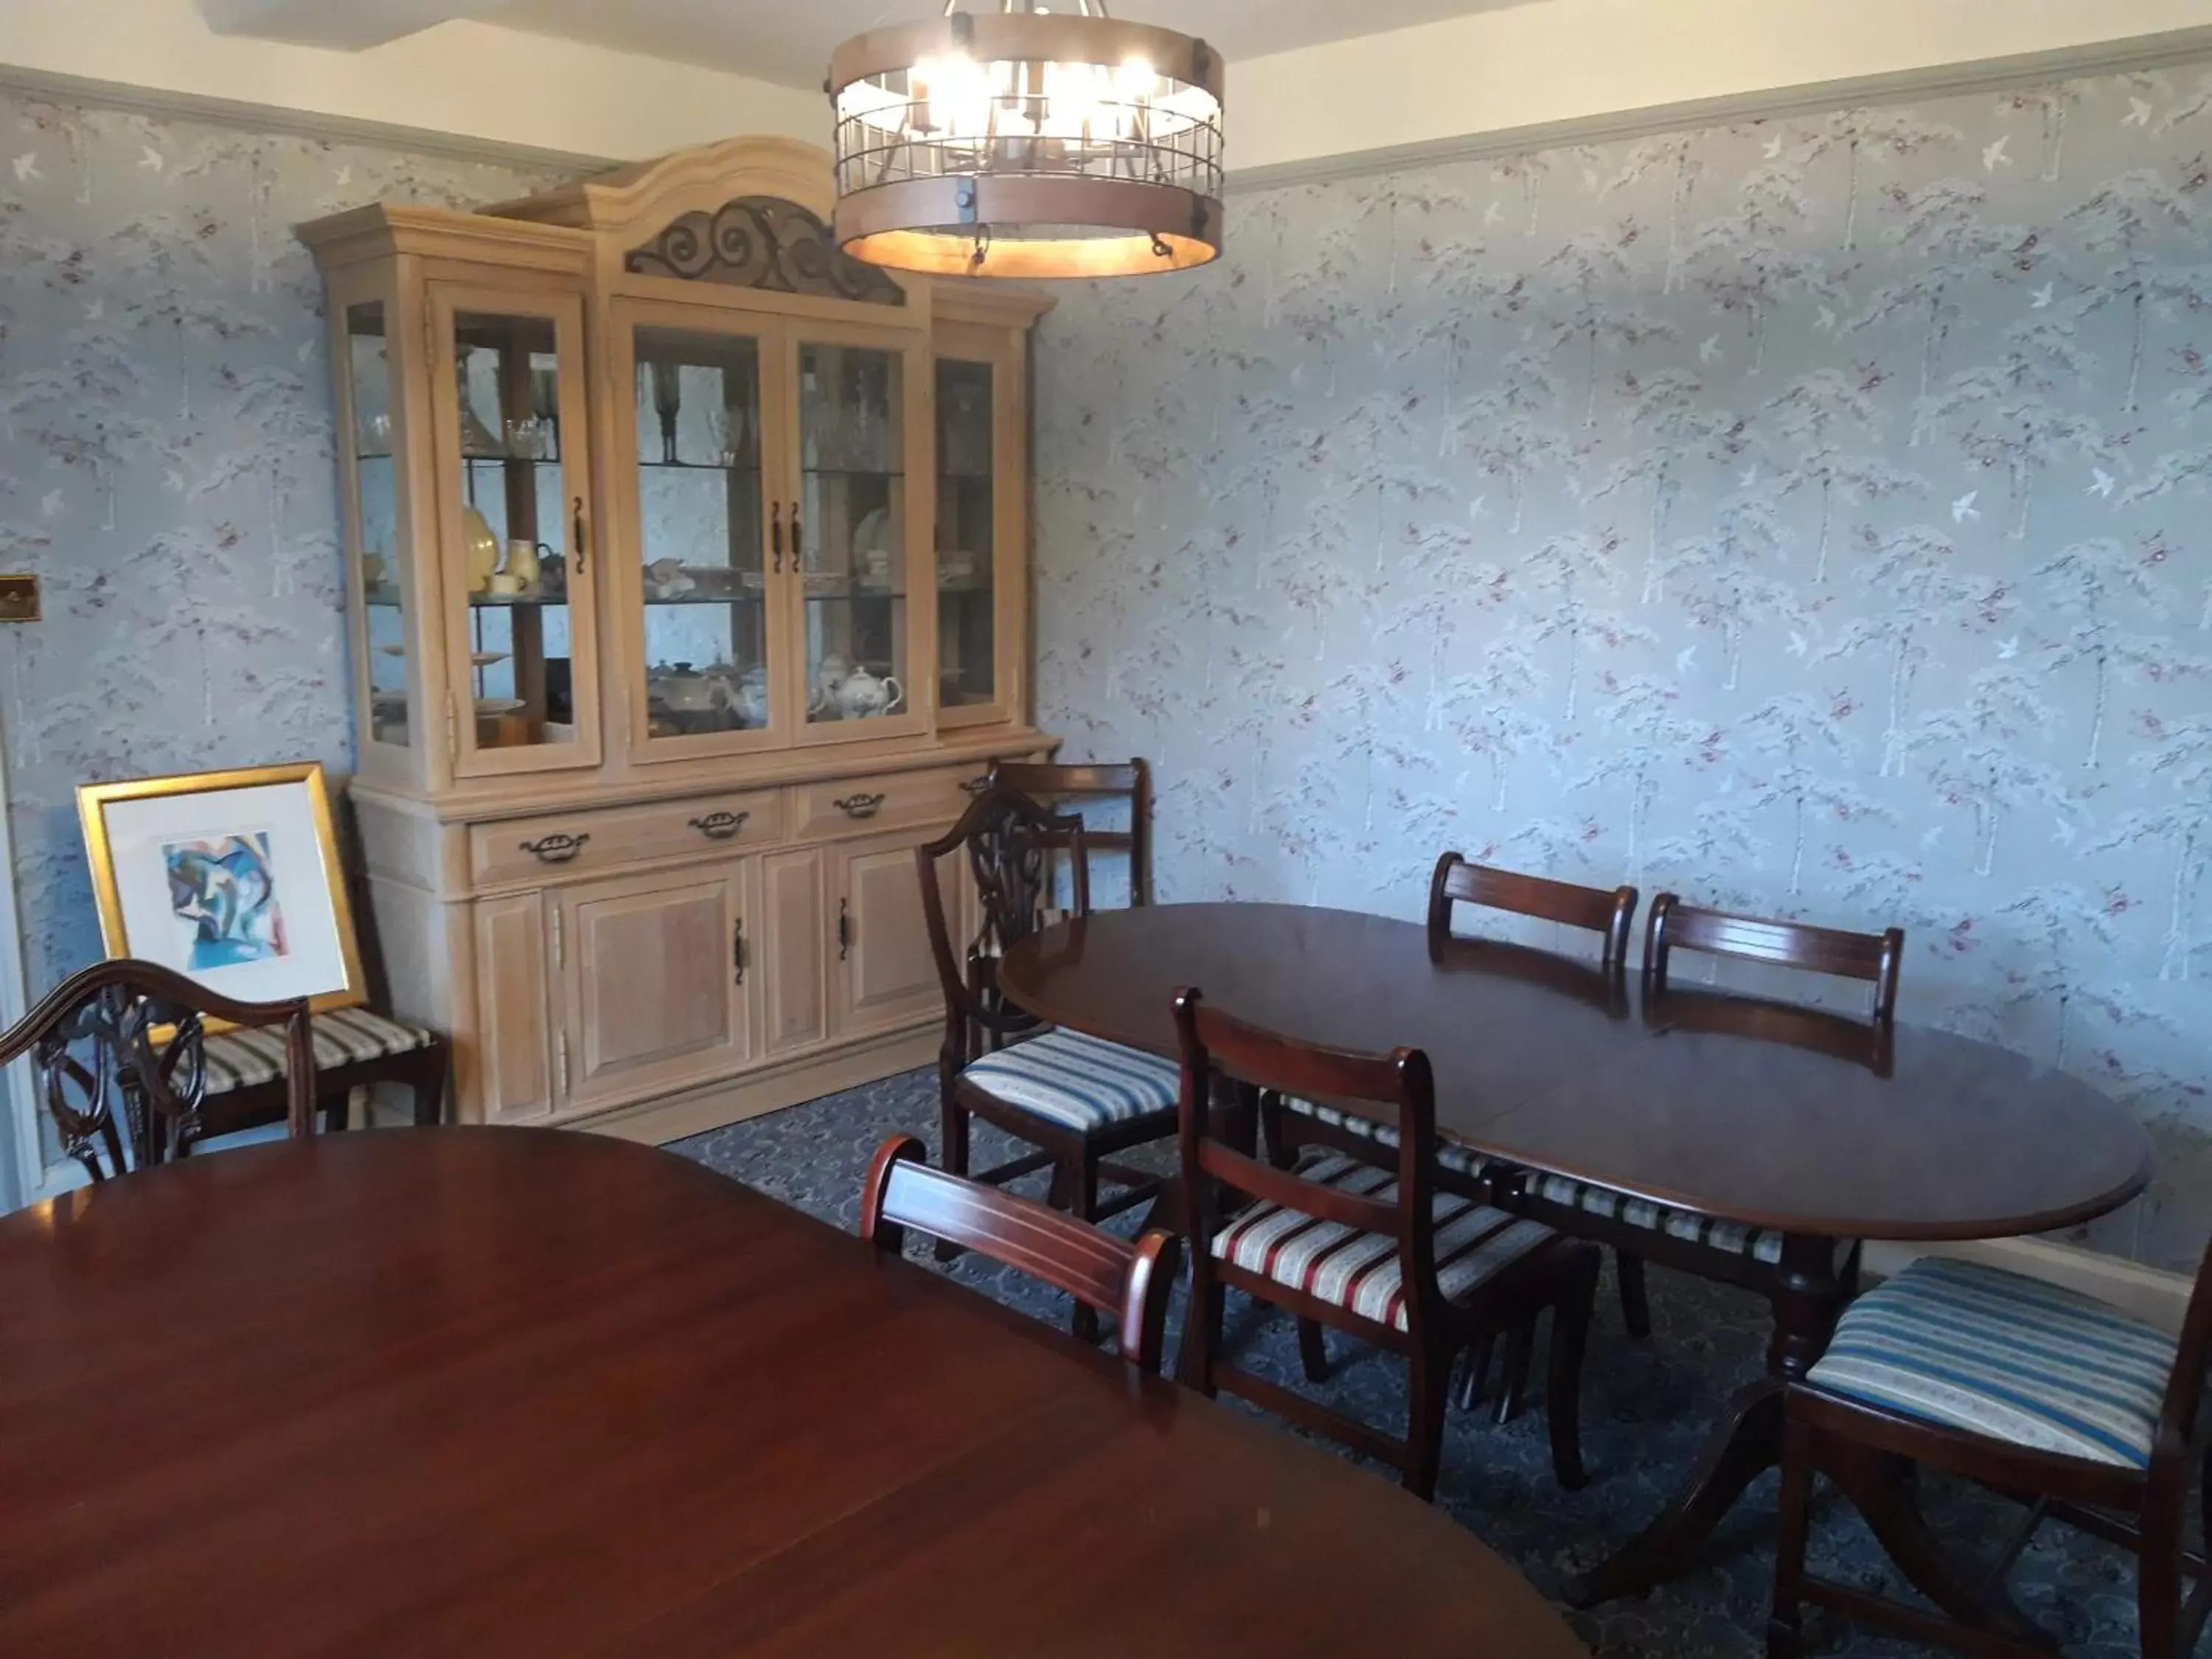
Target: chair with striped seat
[[1077, 1099], [354, 1049], [2021, 1386], [122, 1060], [1604, 912], [1376, 1253], [1702, 1244]]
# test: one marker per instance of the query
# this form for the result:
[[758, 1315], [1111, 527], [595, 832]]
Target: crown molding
[[2138, 55], [290, 123]]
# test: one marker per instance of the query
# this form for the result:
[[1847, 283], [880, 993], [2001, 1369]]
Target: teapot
[[862, 696], [750, 701], [682, 690], [830, 673]]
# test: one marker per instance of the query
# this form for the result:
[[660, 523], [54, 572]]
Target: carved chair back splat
[[1130, 1284], [120, 1053], [1130, 781]]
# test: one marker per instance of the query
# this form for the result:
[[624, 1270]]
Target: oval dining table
[[1791, 1121], [521, 1392]]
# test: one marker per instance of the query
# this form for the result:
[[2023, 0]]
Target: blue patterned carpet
[[1646, 1408]]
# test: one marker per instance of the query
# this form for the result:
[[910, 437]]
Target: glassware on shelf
[[667, 404], [478, 440], [374, 528]]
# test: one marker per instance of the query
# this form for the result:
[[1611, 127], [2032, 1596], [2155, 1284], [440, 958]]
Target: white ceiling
[[790, 40]]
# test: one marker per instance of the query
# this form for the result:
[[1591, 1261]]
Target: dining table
[[513, 1391], [1796, 1122]]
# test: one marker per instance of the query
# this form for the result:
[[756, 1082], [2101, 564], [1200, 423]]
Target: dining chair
[[1684, 1238], [2017, 1385], [1130, 1284], [1379, 1253], [1291, 1123], [1077, 1099], [1058, 786], [119, 1049]]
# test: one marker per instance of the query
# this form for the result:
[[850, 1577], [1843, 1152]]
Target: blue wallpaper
[[166, 462], [1806, 516]]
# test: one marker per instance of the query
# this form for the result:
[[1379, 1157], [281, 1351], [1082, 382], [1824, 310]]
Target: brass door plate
[[19, 599]]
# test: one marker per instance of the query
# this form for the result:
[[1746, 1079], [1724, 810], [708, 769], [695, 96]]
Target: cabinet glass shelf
[[710, 599]]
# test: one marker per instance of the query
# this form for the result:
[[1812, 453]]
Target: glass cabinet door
[[967, 515], [701, 536], [507, 387], [850, 535], [366, 407]]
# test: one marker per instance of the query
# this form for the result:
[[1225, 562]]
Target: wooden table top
[[1774, 1117], [511, 1391]]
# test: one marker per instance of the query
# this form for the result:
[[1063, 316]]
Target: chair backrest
[[1063, 786], [1605, 913], [1874, 957], [1217, 1045], [120, 1051], [1130, 1284], [1006, 836]]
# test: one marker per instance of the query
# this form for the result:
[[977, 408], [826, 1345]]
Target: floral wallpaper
[[166, 462], [1806, 516]]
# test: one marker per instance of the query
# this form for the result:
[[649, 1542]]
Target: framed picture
[[232, 878]]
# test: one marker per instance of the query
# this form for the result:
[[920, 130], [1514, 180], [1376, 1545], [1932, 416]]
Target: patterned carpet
[[1646, 1408]]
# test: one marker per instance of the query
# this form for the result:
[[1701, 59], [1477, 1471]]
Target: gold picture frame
[[206, 873]]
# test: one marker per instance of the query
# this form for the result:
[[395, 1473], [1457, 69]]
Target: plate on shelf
[[825, 584], [482, 659], [490, 707]]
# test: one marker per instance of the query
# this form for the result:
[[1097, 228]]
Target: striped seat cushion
[[1078, 1082], [2011, 1358], [1360, 1270], [245, 1058], [1732, 1237], [1456, 1159]]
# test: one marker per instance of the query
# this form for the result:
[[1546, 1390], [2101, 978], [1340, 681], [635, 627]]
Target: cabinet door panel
[[889, 977], [515, 1075], [652, 980], [795, 911]]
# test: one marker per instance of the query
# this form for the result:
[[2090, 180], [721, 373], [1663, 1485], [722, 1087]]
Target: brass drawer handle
[[720, 826], [976, 785], [860, 806], [555, 848]]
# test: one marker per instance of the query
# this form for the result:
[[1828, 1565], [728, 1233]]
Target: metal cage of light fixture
[[1027, 144]]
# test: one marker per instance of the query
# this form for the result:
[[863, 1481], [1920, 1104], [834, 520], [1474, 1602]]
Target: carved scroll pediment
[[762, 243]]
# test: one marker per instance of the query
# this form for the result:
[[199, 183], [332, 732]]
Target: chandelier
[[1023, 142]]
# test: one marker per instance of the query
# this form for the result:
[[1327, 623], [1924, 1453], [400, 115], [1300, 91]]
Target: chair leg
[[1635, 1304], [336, 1113], [1313, 1350], [2159, 1583], [1424, 1428], [1083, 1204], [1477, 1371], [1202, 1335], [430, 1088], [952, 1126], [1785, 1629], [1563, 1372], [1513, 1385]]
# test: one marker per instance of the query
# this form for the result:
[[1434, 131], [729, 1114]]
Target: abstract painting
[[225, 890]]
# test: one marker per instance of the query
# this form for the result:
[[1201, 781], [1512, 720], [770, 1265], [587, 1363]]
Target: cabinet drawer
[[863, 805], [580, 841]]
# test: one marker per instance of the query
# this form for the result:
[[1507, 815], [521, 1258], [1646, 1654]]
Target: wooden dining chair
[[1063, 786], [1702, 1244], [121, 1054], [1130, 1284], [1077, 1099], [1376, 1253], [2015, 1384], [1291, 1123]]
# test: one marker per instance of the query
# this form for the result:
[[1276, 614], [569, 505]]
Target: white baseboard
[[2150, 1294]]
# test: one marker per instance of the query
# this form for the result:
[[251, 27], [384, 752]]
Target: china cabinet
[[689, 593]]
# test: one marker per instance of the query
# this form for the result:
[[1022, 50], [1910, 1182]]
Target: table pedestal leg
[[1881, 1488], [1747, 1442]]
